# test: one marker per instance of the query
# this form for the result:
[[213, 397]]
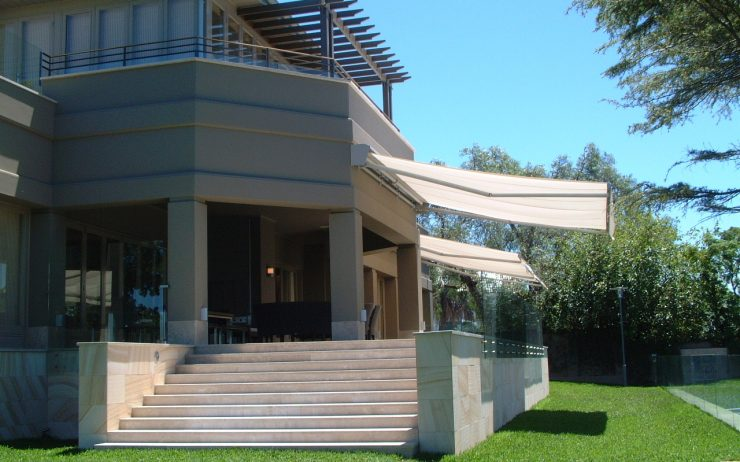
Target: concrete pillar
[[46, 281], [390, 308], [345, 260], [410, 317], [187, 267]]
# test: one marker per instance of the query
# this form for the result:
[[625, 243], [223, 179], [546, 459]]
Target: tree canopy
[[677, 57], [676, 291]]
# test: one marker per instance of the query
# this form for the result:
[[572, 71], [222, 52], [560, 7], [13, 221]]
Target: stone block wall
[[38, 394], [23, 394], [114, 377], [463, 397]]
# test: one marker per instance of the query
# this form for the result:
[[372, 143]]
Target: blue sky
[[525, 76]]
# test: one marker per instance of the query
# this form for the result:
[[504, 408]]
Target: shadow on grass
[[68, 447], [559, 422]]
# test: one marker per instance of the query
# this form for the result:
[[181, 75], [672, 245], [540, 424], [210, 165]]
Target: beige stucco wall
[[221, 132], [26, 131]]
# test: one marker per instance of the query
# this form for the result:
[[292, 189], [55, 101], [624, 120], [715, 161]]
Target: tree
[[676, 57]]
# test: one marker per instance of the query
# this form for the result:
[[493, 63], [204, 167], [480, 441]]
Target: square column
[[347, 284], [410, 317], [187, 267]]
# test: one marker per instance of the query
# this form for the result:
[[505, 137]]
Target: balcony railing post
[[124, 56]]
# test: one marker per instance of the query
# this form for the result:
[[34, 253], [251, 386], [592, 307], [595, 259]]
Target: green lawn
[[577, 422]]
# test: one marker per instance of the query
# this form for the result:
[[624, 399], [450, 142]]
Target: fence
[[503, 315], [709, 381]]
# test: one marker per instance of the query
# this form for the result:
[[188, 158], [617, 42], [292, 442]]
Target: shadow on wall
[[559, 422]]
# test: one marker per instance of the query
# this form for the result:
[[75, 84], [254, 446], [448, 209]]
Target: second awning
[[459, 256]]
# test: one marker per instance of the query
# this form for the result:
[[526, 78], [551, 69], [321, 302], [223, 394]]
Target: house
[[200, 171]]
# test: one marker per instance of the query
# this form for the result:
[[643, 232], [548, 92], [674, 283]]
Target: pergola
[[330, 29]]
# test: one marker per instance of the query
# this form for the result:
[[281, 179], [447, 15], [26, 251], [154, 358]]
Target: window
[[10, 258], [77, 41], [112, 32], [147, 29], [182, 26], [36, 37]]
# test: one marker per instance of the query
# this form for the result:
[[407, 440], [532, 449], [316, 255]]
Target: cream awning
[[582, 205], [458, 256]]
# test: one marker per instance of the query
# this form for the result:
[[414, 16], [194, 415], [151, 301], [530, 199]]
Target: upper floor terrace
[[327, 38]]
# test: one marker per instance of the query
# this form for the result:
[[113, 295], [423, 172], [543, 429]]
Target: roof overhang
[[545, 202]]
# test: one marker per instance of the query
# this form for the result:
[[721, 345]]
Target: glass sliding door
[[113, 26], [78, 34], [10, 258], [73, 287], [182, 28], [147, 30], [113, 289], [36, 37]]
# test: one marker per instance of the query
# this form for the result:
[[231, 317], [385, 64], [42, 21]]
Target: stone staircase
[[351, 395]]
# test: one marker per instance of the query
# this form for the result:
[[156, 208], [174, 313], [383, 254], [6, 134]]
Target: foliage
[[676, 57], [666, 302], [703, 199], [676, 292]]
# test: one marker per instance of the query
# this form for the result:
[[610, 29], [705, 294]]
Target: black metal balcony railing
[[191, 47]]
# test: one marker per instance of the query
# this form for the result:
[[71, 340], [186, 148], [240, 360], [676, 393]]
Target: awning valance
[[582, 205], [459, 256]]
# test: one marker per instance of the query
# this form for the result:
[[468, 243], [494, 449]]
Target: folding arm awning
[[458, 256], [582, 205]]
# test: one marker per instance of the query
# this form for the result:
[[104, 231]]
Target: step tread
[[281, 417], [370, 403], [281, 393], [274, 430], [373, 444]]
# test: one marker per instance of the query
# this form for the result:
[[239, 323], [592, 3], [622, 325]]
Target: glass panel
[[181, 19], [182, 28], [112, 32], [36, 38], [247, 52], [92, 309], [233, 39], [144, 272], [147, 28], [73, 286], [217, 30], [77, 41], [10, 248]]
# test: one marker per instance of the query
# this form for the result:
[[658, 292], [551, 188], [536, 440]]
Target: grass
[[577, 422], [725, 393]]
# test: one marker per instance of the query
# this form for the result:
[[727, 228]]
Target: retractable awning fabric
[[582, 205], [458, 256]]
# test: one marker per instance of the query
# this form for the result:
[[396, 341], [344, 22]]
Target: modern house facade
[[200, 171]]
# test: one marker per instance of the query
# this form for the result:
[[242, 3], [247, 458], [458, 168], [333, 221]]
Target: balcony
[[192, 47]]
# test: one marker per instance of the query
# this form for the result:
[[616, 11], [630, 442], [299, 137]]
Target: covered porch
[[197, 272]]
